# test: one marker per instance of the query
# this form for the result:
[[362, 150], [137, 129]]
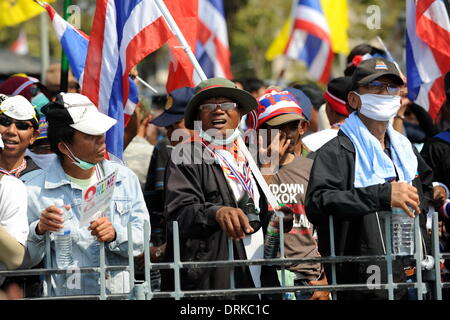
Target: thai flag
[[427, 52], [181, 70], [212, 50], [309, 40], [123, 33], [75, 45]]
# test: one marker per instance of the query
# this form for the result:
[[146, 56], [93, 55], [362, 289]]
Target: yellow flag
[[336, 13], [13, 12]]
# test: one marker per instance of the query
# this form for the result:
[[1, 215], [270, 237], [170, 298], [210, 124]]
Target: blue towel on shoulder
[[372, 164]]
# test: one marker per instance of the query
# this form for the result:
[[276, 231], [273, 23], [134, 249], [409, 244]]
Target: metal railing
[[142, 290]]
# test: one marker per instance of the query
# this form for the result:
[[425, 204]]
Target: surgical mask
[[221, 142], [80, 163], [379, 107]]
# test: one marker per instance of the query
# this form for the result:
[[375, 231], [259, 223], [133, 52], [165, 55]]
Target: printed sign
[[97, 198]]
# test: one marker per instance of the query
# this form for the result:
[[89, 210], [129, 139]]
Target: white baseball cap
[[85, 115], [19, 108]]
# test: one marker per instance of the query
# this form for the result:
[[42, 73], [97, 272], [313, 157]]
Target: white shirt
[[317, 139], [13, 208]]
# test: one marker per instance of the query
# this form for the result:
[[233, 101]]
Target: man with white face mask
[[356, 178]]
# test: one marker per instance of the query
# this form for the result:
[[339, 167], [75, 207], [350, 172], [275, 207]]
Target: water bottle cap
[[59, 203]]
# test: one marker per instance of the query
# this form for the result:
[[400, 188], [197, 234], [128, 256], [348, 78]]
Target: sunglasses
[[20, 125], [379, 87], [226, 106]]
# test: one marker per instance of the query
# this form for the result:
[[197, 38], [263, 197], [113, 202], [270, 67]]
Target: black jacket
[[194, 193], [359, 215]]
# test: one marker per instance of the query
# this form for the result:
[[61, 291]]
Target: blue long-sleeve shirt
[[127, 206]]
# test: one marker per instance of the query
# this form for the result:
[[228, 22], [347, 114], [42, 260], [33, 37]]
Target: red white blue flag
[[427, 52], [309, 40], [181, 70], [212, 50], [75, 45], [123, 33]]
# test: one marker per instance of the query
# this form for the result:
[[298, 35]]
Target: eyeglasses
[[379, 87], [20, 125], [226, 106]]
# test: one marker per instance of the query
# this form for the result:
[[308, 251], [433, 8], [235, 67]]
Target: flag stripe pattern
[[212, 49], [123, 33], [427, 52], [309, 40]]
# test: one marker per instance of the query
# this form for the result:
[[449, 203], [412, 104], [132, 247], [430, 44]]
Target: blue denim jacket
[[127, 206]]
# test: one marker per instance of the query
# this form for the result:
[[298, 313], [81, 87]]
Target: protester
[[318, 120], [172, 120], [307, 107], [256, 87], [76, 133], [13, 224], [358, 177], [359, 53], [19, 129], [336, 109], [52, 81], [436, 153], [202, 195], [279, 110], [139, 150], [443, 116]]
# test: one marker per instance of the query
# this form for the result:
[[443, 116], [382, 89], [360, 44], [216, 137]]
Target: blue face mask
[[80, 163]]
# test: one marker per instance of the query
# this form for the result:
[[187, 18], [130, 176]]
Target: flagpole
[[389, 55], [45, 53], [64, 61], [173, 25]]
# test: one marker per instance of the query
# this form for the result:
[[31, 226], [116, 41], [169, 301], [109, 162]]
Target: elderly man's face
[[225, 121]]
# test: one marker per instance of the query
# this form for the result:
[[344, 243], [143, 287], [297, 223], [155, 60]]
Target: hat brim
[[95, 124], [167, 119], [244, 99], [284, 118], [372, 77]]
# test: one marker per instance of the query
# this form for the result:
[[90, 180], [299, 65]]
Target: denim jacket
[[127, 206]]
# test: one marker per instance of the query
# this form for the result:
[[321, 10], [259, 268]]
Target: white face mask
[[221, 142], [379, 107]]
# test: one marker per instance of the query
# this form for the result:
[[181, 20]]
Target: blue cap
[[177, 101], [303, 101]]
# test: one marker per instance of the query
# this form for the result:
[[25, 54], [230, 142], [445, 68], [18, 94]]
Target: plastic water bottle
[[402, 226], [63, 241], [272, 241]]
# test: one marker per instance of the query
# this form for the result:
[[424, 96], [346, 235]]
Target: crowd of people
[[353, 150]]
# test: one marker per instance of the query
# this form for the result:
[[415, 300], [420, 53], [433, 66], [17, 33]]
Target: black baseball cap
[[177, 101], [372, 69]]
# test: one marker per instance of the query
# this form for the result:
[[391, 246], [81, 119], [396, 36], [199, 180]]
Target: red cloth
[[336, 104]]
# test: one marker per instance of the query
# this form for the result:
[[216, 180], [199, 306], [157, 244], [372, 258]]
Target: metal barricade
[[142, 290]]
